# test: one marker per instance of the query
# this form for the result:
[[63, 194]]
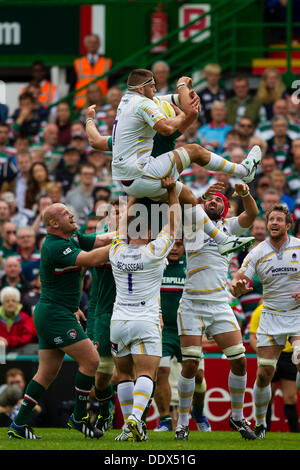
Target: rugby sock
[[291, 415], [83, 387], [125, 391], [196, 218], [218, 163], [197, 410], [104, 398], [237, 388], [186, 389], [298, 380], [261, 397], [32, 395], [142, 393], [146, 411]]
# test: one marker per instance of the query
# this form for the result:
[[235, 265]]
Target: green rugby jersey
[[60, 277], [106, 292], [171, 291]]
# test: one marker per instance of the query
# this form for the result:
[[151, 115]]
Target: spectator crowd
[[45, 157]]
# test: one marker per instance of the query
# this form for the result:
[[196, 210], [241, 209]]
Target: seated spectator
[[22, 143], [245, 129], [63, 121], [9, 400], [293, 111], [4, 213], [8, 245], [108, 122], [242, 104], [32, 267], [232, 141], [99, 160], [103, 192], [26, 246], [270, 89], [26, 120], [15, 326], [36, 223], [215, 131], [54, 191], [18, 185], [6, 150], [48, 143], [34, 88], [280, 107], [20, 217], [293, 172], [113, 98], [3, 112], [212, 92], [280, 144], [93, 96], [67, 168], [36, 184], [201, 180], [255, 140], [13, 277], [32, 297], [263, 184], [81, 198], [161, 72], [268, 164], [270, 197], [278, 182], [80, 142]]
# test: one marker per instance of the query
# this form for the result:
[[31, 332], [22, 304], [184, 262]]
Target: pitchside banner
[[217, 408]]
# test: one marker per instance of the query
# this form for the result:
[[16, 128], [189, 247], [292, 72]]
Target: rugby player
[[64, 253], [204, 308], [135, 332], [138, 120], [276, 263]]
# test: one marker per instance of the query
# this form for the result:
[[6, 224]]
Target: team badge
[[72, 334]]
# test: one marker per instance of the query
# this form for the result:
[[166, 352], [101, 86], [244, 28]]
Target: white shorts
[[275, 329], [135, 337], [149, 185], [196, 318]]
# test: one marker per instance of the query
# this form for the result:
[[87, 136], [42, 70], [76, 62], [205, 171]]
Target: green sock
[[104, 397], [83, 387], [167, 417], [32, 395], [198, 409]]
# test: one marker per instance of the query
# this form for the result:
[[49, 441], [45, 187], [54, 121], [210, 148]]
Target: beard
[[213, 214]]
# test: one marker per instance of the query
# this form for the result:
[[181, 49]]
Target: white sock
[[237, 387], [262, 397], [196, 219], [186, 389], [125, 390], [141, 395], [218, 163]]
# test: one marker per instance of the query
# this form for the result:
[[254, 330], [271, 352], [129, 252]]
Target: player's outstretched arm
[[96, 140], [93, 257], [239, 285], [174, 206], [246, 218]]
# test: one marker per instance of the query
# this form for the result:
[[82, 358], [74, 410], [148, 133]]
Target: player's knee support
[[262, 361], [296, 352], [201, 388], [184, 157], [192, 353], [235, 352], [106, 365]]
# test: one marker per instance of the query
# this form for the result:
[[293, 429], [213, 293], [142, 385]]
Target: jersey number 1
[[130, 290]]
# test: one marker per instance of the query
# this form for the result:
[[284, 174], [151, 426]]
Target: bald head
[[51, 213]]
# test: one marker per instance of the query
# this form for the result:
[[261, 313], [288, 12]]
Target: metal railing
[[220, 46]]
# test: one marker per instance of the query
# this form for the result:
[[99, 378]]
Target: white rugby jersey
[[138, 272], [132, 139], [207, 269], [279, 273]]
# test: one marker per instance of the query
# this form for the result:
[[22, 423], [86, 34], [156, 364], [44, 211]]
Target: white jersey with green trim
[[138, 272], [207, 269], [132, 139], [279, 273]]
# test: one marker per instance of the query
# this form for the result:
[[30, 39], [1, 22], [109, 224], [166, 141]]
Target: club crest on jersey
[[72, 334], [75, 237]]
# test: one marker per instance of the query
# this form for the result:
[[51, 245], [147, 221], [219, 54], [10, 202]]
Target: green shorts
[[171, 343], [56, 326], [102, 334]]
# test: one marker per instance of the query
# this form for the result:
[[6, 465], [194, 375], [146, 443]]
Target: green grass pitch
[[65, 439]]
